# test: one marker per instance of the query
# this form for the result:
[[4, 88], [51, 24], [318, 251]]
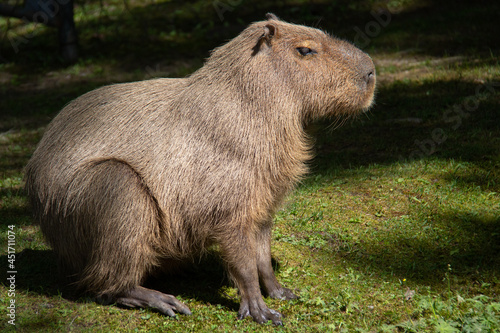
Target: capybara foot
[[283, 294], [259, 313], [147, 298]]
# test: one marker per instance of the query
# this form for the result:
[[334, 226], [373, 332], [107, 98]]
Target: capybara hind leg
[[120, 216], [267, 278], [147, 298]]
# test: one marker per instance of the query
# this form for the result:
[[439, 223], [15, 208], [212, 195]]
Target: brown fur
[[131, 175]]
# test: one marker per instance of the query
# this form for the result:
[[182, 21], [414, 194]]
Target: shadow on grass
[[201, 280], [465, 244], [445, 129], [37, 272]]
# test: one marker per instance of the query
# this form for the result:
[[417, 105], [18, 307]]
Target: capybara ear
[[271, 16], [270, 31]]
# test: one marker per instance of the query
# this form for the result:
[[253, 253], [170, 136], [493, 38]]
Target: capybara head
[[300, 65]]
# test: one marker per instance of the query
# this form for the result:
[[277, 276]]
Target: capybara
[[132, 177]]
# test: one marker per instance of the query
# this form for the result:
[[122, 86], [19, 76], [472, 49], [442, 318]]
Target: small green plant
[[457, 314]]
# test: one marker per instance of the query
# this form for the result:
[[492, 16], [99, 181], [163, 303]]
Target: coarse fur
[[130, 176]]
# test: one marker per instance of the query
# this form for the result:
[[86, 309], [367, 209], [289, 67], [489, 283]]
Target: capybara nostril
[[366, 68], [370, 77]]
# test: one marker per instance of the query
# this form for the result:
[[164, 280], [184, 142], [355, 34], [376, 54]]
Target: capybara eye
[[304, 51]]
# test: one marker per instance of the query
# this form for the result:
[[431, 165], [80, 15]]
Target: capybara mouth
[[368, 81], [371, 80]]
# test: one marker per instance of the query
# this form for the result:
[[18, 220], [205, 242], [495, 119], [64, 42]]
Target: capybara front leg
[[147, 298], [267, 278], [242, 265]]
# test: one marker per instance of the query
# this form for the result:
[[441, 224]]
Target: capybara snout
[[131, 177]]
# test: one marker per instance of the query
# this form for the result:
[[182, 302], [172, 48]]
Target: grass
[[396, 228]]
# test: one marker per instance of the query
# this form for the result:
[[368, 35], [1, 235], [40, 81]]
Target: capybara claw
[[260, 315], [147, 298], [283, 294]]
